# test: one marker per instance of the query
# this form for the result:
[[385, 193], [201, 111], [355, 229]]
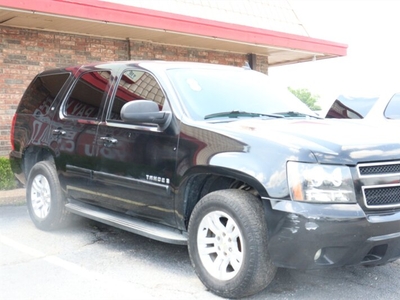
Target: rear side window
[[41, 93], [86, 98]]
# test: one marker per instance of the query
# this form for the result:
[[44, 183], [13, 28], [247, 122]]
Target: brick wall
[[146, 50], [24, 53]]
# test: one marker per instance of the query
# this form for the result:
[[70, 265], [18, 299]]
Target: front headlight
[[320, 183]]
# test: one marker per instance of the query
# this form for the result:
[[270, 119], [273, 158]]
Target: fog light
[[317, 254]]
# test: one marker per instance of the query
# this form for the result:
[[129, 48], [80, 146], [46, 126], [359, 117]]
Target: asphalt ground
[[89, 260]]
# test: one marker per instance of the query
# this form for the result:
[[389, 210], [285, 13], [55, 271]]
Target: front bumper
[[310, 236]]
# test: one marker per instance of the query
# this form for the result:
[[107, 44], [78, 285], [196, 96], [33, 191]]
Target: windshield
[[219, 92]]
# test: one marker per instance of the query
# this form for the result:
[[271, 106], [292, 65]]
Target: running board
[[148, 229]]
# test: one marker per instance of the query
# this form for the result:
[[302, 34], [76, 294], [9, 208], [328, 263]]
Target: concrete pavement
[[13, 197]]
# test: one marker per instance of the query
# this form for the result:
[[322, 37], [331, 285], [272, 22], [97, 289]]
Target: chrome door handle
[[59, 132], [108, 141]]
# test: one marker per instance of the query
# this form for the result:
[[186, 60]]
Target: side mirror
[[143, 111]]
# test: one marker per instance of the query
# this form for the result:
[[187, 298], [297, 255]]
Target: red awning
[[106, 19]]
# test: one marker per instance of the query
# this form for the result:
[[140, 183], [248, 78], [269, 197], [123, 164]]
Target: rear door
[[74, 130], [137, 162]]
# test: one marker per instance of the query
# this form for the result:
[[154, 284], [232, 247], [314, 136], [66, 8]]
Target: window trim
[[83, 119], [119, 123]]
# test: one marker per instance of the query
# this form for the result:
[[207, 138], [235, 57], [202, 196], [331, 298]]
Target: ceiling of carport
[[97, 18]]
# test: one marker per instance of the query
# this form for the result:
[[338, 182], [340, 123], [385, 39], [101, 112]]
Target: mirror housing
[[144, 111]]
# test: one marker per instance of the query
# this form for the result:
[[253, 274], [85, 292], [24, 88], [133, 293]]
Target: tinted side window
[[136, 85], [392, 110], [87, 95], [41, 93]]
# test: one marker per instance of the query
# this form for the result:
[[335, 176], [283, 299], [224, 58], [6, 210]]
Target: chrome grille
[[380, 184], [379, 169], [376, 197]]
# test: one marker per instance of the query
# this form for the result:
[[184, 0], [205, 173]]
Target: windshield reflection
[[205, 92]]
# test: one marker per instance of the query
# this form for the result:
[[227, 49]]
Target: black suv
[[216, 157]]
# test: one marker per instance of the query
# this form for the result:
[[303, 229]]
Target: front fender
[[268, 177]]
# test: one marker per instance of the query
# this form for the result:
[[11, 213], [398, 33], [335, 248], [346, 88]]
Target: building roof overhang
[[106, 19]]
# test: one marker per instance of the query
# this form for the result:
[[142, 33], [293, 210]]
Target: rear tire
[[45, 199], [228, 244]]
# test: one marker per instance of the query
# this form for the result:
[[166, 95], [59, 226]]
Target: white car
[[375, 108]]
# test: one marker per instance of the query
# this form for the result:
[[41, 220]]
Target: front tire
[[45, 199], [228, 244]]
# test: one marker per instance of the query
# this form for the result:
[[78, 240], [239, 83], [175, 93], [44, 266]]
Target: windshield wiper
[[237, 113], [296, 114]]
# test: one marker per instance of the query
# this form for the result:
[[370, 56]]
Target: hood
[[329, 140]]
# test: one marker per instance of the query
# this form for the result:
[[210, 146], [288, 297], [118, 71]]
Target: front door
[[137, 162]]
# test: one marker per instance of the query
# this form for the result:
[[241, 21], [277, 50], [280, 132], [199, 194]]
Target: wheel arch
[[202, 180], [33, 155]]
